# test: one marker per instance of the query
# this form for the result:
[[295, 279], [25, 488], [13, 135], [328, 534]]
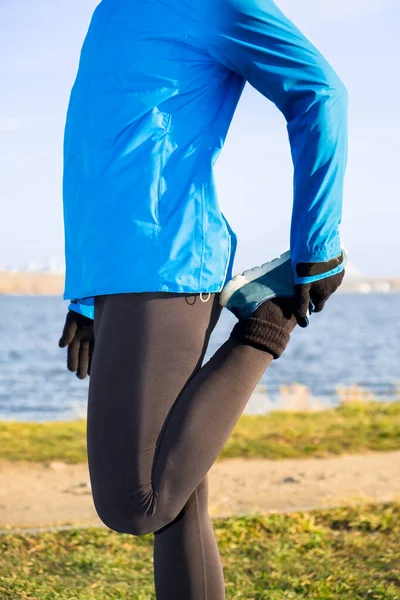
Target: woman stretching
[[149, 254]]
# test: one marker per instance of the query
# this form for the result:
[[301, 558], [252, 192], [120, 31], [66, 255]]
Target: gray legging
[[157, 421]]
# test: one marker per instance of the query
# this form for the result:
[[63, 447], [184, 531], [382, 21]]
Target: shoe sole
[[242, 279]]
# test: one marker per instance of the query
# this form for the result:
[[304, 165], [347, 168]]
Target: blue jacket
[[157, 86]]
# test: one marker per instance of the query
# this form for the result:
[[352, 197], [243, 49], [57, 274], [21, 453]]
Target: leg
[[186, 557], [156, 422]]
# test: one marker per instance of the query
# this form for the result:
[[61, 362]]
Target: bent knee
[[127, 516], [132, 525]]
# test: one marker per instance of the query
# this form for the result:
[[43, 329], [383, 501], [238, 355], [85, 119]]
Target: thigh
[[147, 347]]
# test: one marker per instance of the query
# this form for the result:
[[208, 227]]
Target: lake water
[[355, 341]]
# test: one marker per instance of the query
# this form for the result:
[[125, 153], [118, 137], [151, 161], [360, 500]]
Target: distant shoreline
[[33, 284], [52, 284]]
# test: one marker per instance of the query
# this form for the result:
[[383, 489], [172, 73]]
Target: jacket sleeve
[[257, 41], [83, 306]]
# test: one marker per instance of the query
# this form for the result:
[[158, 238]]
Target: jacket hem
[[174, 289]]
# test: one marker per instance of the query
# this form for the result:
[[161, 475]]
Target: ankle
[[269, 327]]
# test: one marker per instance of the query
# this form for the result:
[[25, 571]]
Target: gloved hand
[[311, 297], [78, 335]]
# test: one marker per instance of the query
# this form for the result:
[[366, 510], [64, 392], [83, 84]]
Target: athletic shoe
[[244, 293]]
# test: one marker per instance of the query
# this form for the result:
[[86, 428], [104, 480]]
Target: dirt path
[[34, 495]]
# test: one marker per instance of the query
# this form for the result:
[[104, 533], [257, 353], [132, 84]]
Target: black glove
[[269, 327], [78, 335], [312, 296]]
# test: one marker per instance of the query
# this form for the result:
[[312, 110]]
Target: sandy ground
[[37, 495]]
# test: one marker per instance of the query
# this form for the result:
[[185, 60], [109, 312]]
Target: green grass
[[350, 428], [343, 554], [58, 440]]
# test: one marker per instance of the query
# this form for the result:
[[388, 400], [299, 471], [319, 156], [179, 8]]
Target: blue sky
[[40, 41]]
